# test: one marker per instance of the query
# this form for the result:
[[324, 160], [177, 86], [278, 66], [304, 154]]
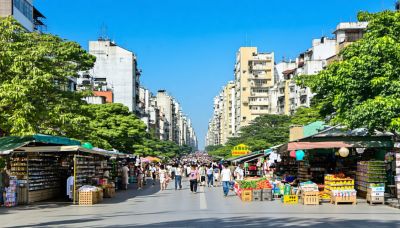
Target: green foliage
[[304, 116], [363, 90], [114, 126], [265, 131], [34, 71]]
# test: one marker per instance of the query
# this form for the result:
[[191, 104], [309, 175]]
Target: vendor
[[70, 185], [4, 182], [106, 174]]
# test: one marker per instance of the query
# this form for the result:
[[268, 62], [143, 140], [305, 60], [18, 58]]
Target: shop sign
[[240, 150]]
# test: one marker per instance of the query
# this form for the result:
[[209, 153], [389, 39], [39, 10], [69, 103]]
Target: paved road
[[152, 208]]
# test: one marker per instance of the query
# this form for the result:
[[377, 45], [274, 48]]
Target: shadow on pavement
[[149, 190], [271, 222]]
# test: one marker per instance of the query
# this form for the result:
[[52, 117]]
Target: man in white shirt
[[226, 178], [178, 177]]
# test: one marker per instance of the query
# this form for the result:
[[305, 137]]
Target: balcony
[[303, 91], [266, 103]]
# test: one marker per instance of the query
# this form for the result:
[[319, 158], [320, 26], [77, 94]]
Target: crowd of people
[[198, 168]]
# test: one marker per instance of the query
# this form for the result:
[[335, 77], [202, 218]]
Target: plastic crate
[[257, 195], [290, 199], [344, 199], [247, 195], [267, 194], [310, 198]]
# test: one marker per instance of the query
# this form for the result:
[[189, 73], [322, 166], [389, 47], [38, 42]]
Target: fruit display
[[255, 183], [308, 186], [369, 172], [338, 183]]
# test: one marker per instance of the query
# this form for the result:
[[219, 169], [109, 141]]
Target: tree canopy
[[305, 115], [363, 89], [34, 74], [265, 131], [35, 70]]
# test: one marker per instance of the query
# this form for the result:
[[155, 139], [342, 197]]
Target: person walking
[[202, 172], [163, 177], [226, 178], [178, 177], [125, 177], [210, 176], [140, 176], [216, 175], [194, 178]]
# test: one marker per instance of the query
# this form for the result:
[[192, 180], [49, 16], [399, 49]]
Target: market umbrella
[[152, 159]]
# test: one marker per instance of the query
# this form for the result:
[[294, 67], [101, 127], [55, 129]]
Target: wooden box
[[375, 199], [343, 199], [88, 198], [310, 198], [109, 192]]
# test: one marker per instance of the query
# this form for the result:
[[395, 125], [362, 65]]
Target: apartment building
[[117, 68], [178, 126], [24, 12], [254, 75]]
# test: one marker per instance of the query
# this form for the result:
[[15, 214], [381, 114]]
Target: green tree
[[265, 131], [304, 116], [34, 72], [363, 90], [115, 127]]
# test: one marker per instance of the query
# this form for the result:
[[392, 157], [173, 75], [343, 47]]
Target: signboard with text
[[240, 150]]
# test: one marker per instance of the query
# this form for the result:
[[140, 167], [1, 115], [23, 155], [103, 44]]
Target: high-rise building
[[254, 75], [117, 68], [228, 111], [178, 126], [24, 12]]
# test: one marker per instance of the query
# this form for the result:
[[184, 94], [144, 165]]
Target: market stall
[[339, 162]]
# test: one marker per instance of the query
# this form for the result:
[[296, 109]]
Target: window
[[25, 8]]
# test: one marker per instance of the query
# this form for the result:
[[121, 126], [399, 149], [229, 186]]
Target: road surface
[[152, 208]]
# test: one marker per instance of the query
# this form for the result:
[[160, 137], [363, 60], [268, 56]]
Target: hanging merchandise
[[279, 159], [299, 155], [360, 150], [292, 154], [344, 152], [246, 165]]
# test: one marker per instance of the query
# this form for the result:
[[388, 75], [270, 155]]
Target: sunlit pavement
[[208, 208]]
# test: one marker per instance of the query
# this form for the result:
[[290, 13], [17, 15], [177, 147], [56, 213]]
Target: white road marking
[[203, 202]]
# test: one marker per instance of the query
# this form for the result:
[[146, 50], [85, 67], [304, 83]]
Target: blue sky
[[188, 47]]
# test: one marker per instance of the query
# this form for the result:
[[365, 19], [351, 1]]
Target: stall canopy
[[55, 149], [337, 137], [10, 143], [247, 157]]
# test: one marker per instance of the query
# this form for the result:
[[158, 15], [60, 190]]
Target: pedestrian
[[210, 176], [216, 175], [226, 178], [125, 176], [140, 177], [178, 177], [153, 172], [202, 172], [163, 177], [194, 178], [188, 170]]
